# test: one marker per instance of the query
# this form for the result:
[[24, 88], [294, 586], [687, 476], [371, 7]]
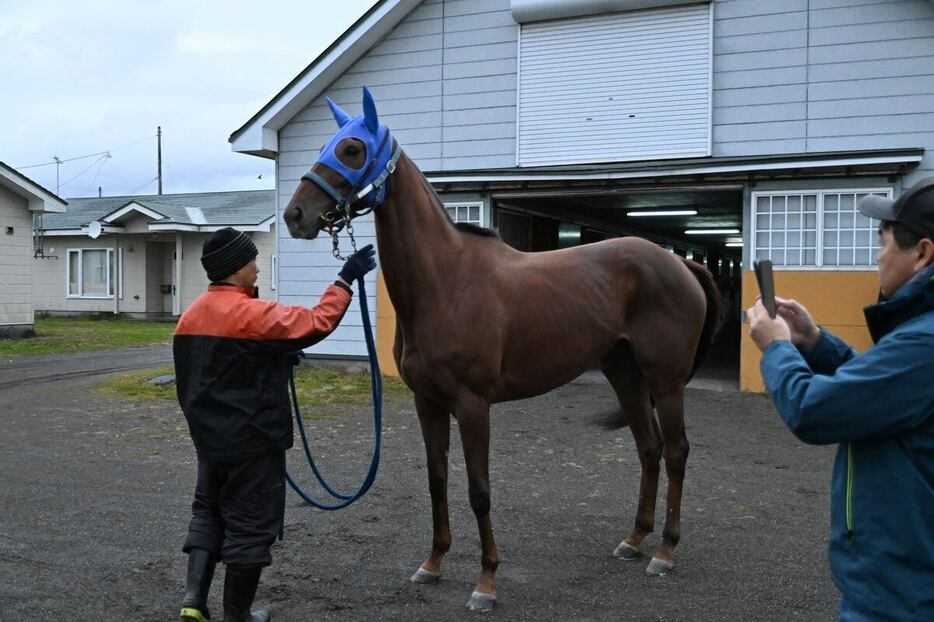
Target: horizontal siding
[[870, 75], [15, 260]]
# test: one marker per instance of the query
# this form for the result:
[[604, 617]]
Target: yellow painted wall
[[385, 328], [835, 300]]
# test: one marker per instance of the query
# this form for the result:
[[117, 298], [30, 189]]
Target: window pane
[[94, 273], [73, 268], [846, 257], [778, 221], [830, 203], [794, 221], [846, 220], [846, 239], [830, 257], [474, 213], [830, 220], [847, 203], [762, 240], [794, 204], [762, 205], [762, 222]]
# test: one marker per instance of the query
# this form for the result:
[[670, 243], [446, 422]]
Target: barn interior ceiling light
[[670, 212], [711, 231], [734, 244]]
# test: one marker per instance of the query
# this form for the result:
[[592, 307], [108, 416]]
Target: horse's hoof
[[481, 601], [424, 576], [627, 552], [659, 567]]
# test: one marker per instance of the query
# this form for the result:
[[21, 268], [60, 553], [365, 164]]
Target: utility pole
[[58, 165], [100, 192], [159, 156]]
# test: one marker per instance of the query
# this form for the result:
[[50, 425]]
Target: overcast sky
[[77, 78]]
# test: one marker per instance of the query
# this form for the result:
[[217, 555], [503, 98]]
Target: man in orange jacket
[[231, 365]]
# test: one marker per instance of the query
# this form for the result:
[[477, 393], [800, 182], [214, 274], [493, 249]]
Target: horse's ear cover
[[340, 116], [369, 111]]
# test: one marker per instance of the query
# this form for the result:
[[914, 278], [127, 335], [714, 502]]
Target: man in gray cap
[[231, 365], [879, 408]]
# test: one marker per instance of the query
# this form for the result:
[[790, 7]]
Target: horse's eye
[[352, 151]]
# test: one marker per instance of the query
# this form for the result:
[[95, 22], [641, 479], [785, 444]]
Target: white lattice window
[[814, 228], [471, 212]]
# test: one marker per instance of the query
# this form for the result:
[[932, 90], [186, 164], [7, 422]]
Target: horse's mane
[[467, 227], [463, 227]]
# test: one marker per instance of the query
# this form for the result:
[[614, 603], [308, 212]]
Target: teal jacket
[[879, 407]]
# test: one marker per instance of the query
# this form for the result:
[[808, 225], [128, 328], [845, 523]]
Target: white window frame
[[274, 271], [456, 205], [109, 280], [820, 194]]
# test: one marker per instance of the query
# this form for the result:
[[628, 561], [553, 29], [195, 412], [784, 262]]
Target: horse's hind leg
[[436, 431], [670, 407], [620, 368]]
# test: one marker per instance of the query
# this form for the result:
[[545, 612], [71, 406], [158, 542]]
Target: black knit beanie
[[225, 252]]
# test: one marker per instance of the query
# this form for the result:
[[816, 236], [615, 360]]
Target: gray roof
[[237, 208]]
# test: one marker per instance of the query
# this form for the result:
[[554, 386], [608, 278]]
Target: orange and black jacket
[[231, 367]]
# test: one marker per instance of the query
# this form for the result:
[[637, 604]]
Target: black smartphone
[[763, 270]]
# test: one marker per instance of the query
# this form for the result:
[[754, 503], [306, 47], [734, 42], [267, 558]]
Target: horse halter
[[369, 182]]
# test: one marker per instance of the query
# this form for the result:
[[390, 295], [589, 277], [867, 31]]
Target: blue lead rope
[[376, 386]]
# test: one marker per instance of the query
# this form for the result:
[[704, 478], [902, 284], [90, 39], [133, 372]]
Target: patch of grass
[[135, 386], [322, 386], [317, 387], [59, 335]]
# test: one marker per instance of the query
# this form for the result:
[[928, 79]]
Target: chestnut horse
[[479, 322]]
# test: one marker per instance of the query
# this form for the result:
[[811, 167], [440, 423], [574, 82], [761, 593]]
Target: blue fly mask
[[368, 183]]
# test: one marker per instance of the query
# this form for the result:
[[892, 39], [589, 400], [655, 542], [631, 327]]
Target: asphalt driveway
[[96, 492]]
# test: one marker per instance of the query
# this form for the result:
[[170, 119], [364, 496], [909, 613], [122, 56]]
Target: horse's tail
[[712, 317]]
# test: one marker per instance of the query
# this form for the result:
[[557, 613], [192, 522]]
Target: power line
[[60, 161], [91, 189], [144, 185], [90, 155], [103, 157]]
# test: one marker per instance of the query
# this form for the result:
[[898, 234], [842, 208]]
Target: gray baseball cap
[[914, 208]]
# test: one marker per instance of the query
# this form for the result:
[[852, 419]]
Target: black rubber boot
[[200, 573], [239, 589]]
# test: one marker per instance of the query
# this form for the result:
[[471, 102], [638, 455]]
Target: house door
[[168, 288], [154, 270]]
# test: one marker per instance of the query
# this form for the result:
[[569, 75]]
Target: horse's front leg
[[436, 432], [473, 419]]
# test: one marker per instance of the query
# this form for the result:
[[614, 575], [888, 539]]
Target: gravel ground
[[96, 493]]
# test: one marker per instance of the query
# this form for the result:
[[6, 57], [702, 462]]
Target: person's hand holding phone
[[804, 332], [765, 329]]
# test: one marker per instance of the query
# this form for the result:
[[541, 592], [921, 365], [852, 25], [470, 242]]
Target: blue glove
[[358, 264]]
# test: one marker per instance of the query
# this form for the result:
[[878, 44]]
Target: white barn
[[562, 121]]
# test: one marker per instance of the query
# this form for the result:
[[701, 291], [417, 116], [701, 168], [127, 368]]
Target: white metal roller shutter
[[615, 87]]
